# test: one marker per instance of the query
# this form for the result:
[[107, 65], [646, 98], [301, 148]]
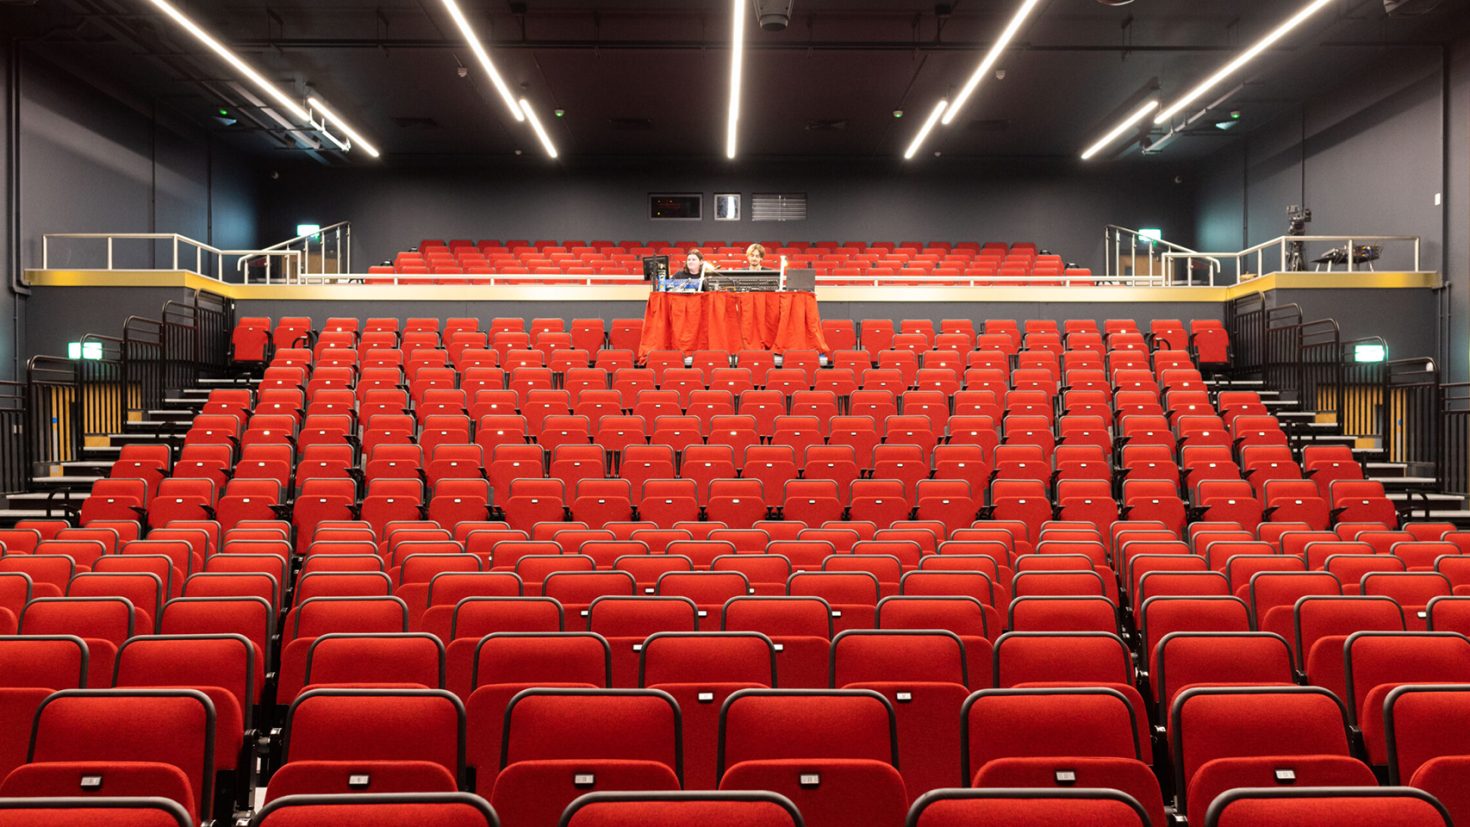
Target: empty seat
[[832, 753], [1222, 738], [1054, 736], [1056, 806], [446, 809], [159, 743], [1326, 806], [924, 676], [417, 744], [562, 743]]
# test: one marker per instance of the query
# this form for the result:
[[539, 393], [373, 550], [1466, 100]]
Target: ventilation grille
[[778, 206]]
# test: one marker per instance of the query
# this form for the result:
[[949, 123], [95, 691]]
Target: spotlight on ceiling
[[774, 15]]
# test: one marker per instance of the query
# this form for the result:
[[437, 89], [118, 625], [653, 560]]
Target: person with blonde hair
[[755, 256]]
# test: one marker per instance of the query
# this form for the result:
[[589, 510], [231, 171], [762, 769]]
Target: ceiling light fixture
[[1241, 59], [737, 62], [1027, 6], [330, 117], [924, 130], [1117, 132], [473, 41], [536, 126], [270, 89]]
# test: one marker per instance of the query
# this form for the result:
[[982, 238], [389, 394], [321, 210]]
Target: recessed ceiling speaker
[[774, 15]]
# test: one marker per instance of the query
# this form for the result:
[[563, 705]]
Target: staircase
[[1308, 427], [62, 494]]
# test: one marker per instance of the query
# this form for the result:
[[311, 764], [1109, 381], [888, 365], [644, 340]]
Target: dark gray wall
[[1455, 324], [1062, 206], [1366, 157], [95, 159], [57, 315], [12, 341]]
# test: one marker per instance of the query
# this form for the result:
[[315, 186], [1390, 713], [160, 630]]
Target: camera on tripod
[[1297, 218]]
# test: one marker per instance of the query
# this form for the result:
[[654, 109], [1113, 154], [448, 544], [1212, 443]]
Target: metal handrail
[[564, 279], [341, 236], [177, 242], [1113, 236], [1282, 242]]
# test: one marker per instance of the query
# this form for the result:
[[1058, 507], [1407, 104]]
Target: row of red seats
[[254, 336], [1193, 611], [901, 723], [1405, 807]]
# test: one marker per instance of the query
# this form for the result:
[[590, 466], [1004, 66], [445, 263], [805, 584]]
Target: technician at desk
[[755, 256], [691, 278]]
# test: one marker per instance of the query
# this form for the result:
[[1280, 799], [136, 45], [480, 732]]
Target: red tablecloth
[[731, 321]]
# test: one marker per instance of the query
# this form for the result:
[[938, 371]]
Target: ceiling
[[649, 78]]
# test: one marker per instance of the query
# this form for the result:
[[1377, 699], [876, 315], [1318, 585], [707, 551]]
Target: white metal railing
[[208, 260], [332, 257], [1122, 244], [562, 279], [1287, 248]]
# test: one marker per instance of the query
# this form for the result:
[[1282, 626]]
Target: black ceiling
[[649, 77]]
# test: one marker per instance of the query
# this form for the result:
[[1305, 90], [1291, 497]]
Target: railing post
[[45, 252], [1350, 255], [109, 252]]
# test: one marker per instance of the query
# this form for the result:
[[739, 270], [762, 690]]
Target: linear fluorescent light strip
[[330, 117], [990, 58], [924, 130], [1241, 59], [1177, 129], [737, 62], [536, 126], [484, 57], [239, 65], [1116, 132]]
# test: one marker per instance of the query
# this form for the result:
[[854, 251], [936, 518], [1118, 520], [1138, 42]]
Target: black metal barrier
[[48, 418], [1454, 445], [14, 431]]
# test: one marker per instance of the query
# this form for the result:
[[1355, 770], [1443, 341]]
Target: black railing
[[14, 430], [1413, 414], [1454, 438], [48, 418], [1245, 318], [53, 411]]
